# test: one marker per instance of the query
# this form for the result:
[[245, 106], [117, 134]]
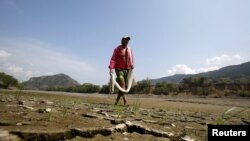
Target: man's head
[[125, 40]]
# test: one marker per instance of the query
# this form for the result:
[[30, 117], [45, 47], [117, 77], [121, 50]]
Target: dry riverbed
[[59, 116]]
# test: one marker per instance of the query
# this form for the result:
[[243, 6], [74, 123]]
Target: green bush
[[143, 87], [7, 80], [104, 89]]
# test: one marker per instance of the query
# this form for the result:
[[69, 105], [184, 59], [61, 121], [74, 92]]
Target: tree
[[7, 80], [143, 87], [105, 89]]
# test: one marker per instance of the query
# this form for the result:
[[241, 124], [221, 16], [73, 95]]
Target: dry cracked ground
[[43, 116]]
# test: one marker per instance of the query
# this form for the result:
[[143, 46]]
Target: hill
[[232, 72], [45, 82]]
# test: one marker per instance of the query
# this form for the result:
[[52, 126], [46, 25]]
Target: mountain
[[233, 72], [53, 81]]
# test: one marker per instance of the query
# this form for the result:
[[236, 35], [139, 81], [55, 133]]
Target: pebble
[[21, 102], [19, 124], [2, 100]]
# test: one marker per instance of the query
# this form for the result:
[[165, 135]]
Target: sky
[[77, 37]]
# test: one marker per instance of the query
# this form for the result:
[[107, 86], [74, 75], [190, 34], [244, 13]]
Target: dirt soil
[[30, 115]]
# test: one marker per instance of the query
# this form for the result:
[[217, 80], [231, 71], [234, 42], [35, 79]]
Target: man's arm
[[112, 61]]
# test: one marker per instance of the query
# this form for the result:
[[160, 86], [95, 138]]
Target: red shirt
[[120, 60]]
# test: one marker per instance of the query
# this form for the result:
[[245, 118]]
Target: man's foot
[[126, 105]]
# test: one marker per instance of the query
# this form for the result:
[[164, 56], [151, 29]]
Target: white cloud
[[224, 60], [31, 58], [213, 63], [29, 73], [4, 54], [13, 69], [181, 69], [199, 70]]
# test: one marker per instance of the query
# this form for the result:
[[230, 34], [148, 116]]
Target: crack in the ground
[[91, 132]]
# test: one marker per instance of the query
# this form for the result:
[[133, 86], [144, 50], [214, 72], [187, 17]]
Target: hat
[[126, 37]]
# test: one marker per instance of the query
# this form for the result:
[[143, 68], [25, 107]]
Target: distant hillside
[[45, 82], [233, 72]]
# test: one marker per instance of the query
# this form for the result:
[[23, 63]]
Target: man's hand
[[110, 70]]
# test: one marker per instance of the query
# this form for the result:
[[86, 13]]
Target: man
[[122, 61]]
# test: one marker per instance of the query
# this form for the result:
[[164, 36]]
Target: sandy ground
[[41, 115]]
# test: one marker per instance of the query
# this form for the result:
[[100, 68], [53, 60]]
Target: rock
[[162, 139], [125, 133], [41, 110], [6, 123], [48, 110], [6, 136], [187, 138], [44, 136], [117, 121], [3, 134], [19, 124], [89, 133], [119, 128], [20, 102], [115, 116], [26, 123], [166, 127], [149, 121], [126, 139], [246, 121], [193, 128], [27, 107], [156, 116], [103, 113], [96, 109], [9, 100], [132, 127], [144, 112], [91, 116], [3, 100], [160, 110], [46, 102]]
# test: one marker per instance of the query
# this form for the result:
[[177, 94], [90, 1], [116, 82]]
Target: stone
[[173, 125], [6, 136], [48, 110], [125, 133], [187, 138], [19, 124], [91, 115], [28, 107], [118, 128], [20, 102], [41, 110], [117, 121], [46, 102], [3, 100]]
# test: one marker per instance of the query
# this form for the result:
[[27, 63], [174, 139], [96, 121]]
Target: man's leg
[[124, 99], [118, 98], [122, 94], [120, 79], [125, 78]]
